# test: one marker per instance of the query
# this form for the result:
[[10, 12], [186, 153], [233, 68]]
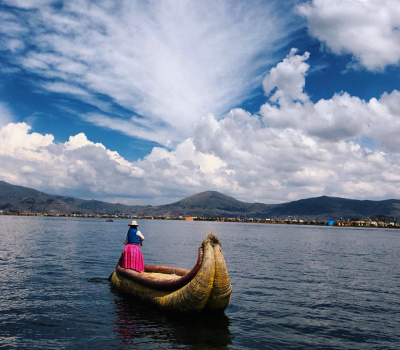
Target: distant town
[[366, 222]]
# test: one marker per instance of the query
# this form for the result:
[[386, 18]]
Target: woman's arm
[[140, 235]]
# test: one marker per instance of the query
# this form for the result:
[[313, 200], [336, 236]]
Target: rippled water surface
[[294, 287]]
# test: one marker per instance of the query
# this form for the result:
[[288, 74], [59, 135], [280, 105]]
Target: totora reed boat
[[205, 287]]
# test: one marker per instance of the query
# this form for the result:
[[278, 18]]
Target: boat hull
[[205, 287]]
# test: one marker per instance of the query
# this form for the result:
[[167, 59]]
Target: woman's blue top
[[132, 237]]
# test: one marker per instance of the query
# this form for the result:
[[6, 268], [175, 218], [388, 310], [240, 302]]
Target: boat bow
[[206, 286]]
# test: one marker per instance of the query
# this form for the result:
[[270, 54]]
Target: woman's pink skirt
[[133, 258]]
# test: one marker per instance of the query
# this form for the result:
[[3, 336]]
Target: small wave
[[97, 280]]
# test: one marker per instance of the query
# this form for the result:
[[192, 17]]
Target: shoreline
[[274, 221]]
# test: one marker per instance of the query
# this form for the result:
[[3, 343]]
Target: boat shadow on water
[[137, 323]]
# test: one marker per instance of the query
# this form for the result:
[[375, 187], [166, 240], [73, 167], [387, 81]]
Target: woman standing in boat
[[132, 257]]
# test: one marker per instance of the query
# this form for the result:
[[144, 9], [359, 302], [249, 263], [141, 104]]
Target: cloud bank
[[293, 148]]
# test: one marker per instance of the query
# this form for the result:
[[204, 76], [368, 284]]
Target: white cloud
[[83, 168], [28, 4], [170, 61], [343, 117], [274, 164], [136, 127], [292, 149], [64, 88], [14, 45], [6, 115], [296, 148], [79, 141], [367, 29], [288, 77]]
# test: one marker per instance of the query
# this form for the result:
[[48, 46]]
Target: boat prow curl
[[205, 287]]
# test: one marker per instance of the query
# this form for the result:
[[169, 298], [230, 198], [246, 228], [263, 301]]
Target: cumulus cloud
[[274, 164], [81, 167], [170, 61], [343, 117], [366, 29], [293, 148], [288, 77]]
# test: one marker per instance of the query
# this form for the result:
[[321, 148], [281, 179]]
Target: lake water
[[294, 287]]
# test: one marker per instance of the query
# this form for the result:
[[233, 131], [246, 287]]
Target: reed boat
[[205, 287]]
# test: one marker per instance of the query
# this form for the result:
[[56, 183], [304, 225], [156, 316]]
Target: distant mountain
[[101, 208], [23, 199], [334, 208], [8, 191], [15, 199], [208, 204], [212, 204]]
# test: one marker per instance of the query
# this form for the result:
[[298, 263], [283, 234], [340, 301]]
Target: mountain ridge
[[14, 199]]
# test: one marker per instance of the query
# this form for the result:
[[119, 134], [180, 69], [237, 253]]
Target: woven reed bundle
[[222, 289], [208, 283]]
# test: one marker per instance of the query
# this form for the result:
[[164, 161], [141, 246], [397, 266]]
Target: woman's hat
[[133, 223]]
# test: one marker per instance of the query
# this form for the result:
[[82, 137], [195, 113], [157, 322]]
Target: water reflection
[[137, 324], [124, 325]]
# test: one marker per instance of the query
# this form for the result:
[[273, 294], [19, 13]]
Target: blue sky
[[145, 103]]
